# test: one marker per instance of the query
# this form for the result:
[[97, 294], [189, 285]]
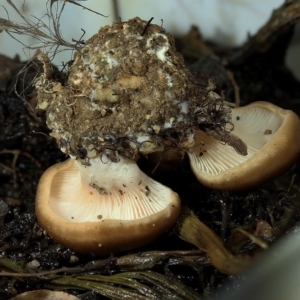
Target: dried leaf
[[192, 230]]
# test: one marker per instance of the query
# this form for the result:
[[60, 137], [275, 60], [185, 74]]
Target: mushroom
[[127, 94], [272, 136], [103, 207]]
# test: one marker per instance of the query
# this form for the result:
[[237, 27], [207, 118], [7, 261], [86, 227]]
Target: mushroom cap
[[129, 211], [272, 136], [125, 91]]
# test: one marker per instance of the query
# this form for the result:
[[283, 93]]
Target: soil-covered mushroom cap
[[127, 89], [272, 136], [105, 207]]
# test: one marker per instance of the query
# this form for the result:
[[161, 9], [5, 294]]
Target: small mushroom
[[272, 136], [103, 207]]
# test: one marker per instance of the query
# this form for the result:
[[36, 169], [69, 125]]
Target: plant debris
[[192, 230]]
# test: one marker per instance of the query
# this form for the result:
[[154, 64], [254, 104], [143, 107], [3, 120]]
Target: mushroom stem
[[118, 175], [116, 190]]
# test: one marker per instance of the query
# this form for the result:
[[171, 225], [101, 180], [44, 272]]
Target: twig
[[138, 261]]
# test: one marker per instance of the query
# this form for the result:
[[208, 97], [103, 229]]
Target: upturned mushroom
[[105, 207], [272, 136], [128, 93]]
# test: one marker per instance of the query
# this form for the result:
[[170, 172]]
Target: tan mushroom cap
[[272, 136], [103, 208]]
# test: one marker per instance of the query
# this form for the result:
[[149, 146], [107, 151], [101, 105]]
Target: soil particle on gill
[[128, 88]]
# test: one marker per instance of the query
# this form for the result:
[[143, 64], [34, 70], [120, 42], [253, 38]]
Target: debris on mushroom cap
[[272, 136], [105, 207], [128, 90]]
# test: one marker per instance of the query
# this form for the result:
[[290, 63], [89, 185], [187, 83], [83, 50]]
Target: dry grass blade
[[10, 265], [133, 285], [192, 230], [164, 285], [108, 290], [121, 281], [127, 263], [130, 285]]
